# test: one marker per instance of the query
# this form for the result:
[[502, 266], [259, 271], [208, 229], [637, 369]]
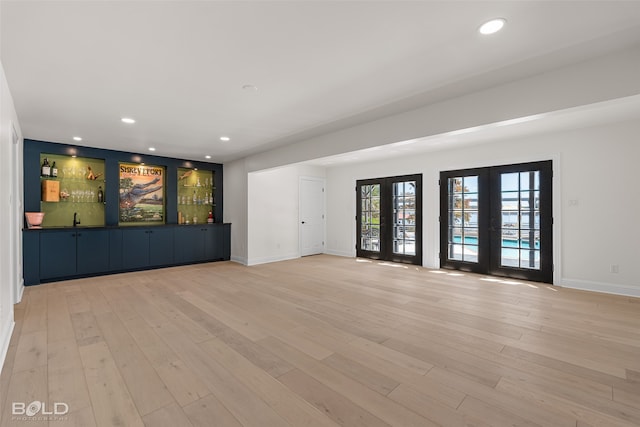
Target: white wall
[[10, 214], [235, 199], [610, 77], [594, 166], [273, 214]]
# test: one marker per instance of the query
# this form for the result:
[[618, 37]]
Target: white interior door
[[311, 216]]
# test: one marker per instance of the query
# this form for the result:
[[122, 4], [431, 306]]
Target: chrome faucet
[[76, 220]]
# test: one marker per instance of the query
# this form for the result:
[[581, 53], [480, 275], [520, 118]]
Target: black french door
[[498, 220], [389, 219]]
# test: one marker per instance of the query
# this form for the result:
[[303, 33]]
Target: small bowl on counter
[[34, 219]]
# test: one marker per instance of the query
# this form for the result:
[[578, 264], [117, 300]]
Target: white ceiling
[[178, 67]]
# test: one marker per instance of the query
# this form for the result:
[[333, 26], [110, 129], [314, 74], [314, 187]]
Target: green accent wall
[[78, 194]]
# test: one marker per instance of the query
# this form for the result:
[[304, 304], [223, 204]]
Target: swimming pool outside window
[[520, 235]]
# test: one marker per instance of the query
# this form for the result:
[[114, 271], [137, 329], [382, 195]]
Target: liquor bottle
[[210, 218], [54, 170], [45, 170], [100, 195], [194, 197]]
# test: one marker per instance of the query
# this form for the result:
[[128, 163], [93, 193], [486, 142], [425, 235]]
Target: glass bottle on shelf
[[194, 195], [54, 170], [45, 169]]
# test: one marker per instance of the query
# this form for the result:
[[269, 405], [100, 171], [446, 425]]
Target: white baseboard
[[340, 253], [20, 292], [266, 260], [5, 339], [607, 288], [239, 259]]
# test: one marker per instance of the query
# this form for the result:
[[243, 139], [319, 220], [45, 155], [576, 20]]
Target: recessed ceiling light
[[225, 138], [249, 87], [152, 148], [127, 120], [207, 156], [77, 138], [492, 26]]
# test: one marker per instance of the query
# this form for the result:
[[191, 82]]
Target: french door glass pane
[[510, 257], [404, 217], [532, 258], [520, 237], [463, 218], [370, 218]]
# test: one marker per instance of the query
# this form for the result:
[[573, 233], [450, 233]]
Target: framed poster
[[141, 194]]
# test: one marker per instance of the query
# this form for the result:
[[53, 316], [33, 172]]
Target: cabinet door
[[135, 248], [92, 251], [215, 240], [31, 257], [160, 246], [209, 243], [188, 244], [226, 242], [115, 250], [57, 254], [201, 245]]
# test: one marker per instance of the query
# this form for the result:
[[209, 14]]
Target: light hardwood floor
[[322, 341]]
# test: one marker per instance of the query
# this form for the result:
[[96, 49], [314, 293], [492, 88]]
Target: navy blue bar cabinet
[[63, 251]]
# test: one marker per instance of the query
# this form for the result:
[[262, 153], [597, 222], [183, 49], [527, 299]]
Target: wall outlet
[[614, 268]]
